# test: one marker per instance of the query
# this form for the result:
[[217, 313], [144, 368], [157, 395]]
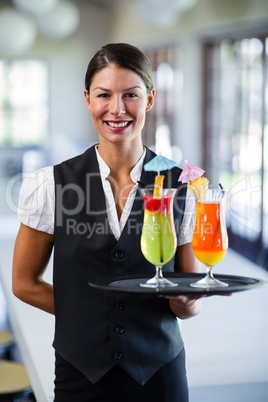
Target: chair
[[6, 344], [14, 382]]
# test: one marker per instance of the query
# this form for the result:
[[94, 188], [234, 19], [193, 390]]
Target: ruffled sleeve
[[36, 207]]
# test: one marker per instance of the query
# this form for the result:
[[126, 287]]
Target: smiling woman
[[90, 209], [118, 101]]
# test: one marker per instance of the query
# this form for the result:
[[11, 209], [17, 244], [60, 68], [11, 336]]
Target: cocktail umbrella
[[158, 164], [190, 173]]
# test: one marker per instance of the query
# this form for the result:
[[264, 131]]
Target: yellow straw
[[158, 190]]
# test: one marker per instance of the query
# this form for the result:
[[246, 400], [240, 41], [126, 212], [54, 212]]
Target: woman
[[109, 347]]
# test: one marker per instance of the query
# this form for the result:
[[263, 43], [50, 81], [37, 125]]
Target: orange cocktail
[[210, 241]]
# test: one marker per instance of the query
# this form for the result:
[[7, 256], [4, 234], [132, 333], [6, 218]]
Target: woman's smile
[[120, 125], [118, 100]]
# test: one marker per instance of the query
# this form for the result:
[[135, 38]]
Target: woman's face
[[118, 101]]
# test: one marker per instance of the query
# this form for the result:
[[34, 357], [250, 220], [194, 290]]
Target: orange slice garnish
[[158, 186]]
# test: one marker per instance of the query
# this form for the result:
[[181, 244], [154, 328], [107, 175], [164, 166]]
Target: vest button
[[119, 254], [119, 306], [119, 330], [118, 355]]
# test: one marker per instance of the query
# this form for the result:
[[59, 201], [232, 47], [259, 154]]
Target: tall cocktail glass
[[210, 239], [158, 239]]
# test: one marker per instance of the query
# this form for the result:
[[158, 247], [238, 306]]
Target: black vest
[[96, 329]]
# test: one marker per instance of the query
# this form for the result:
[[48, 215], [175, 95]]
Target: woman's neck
[[121, 158]]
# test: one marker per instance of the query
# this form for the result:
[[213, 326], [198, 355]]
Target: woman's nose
[[118, 106]]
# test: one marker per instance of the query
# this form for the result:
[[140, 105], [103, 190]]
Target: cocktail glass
[[158, 239], [210, 239]]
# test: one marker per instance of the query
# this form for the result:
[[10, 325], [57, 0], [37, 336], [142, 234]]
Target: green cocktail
[[158, 239]]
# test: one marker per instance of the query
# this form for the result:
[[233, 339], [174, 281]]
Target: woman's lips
[[118, 125]]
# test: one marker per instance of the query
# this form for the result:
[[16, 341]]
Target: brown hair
[[120, 55]]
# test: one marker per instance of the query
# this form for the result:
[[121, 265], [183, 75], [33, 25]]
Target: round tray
[[131, 284]]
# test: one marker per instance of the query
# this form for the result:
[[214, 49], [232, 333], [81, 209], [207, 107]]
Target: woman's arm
[[31, 255], [185, 261]]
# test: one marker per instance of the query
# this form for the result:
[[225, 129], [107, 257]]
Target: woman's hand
[[185, 306]]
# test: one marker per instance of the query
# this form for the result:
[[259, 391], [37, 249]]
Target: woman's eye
[[130, 95], [103, 95]]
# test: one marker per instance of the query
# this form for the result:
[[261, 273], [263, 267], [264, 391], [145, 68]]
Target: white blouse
[[36, 207]]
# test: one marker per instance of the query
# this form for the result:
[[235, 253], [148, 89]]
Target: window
[[236, 136], [23, 102]]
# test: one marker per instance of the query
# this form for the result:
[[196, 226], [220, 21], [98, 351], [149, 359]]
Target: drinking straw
[[221, 193], [158, 191]]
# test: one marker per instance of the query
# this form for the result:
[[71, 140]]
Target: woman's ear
[[87, 98], [150, 99]]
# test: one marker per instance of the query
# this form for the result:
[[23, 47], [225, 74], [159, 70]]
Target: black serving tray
[[131, 284]]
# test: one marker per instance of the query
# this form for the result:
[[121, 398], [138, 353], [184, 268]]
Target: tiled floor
[[226, 345]]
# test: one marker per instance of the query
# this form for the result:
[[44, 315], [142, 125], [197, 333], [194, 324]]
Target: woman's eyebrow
[[101, 89], [124, 90], [134, 87]]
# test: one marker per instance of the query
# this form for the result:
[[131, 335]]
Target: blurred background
[[210, 70], [209, 59]]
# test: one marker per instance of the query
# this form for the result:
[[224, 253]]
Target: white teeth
[[117, 125]]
